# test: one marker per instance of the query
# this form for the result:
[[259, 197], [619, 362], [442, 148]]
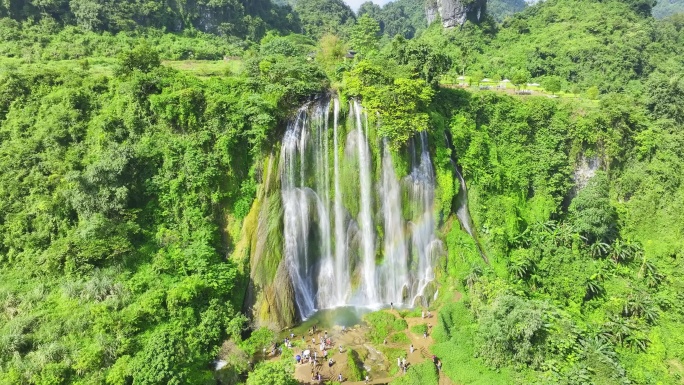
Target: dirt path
[[355, 338]]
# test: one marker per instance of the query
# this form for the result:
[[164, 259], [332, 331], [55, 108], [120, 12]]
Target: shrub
[[399, 338], [419, 329], [272, 373], [383, 324], [260, 338], [424, 373], [354, 365]]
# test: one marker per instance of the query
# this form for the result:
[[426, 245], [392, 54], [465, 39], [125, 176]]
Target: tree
[[423, 60], [476, 77], [520, 78], [141, 58], [331, 52], [552, 84], [591, 211], [513, 329], [593, 93], [319, 17], [642, 7], [163, 359], [365, 34], [87, 13], [272, 373], [666, 93]]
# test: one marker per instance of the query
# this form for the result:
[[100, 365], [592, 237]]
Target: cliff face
[[454, 13], [269, 298]]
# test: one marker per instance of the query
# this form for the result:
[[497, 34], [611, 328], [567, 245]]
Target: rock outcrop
[[269, 300], [454, 13]]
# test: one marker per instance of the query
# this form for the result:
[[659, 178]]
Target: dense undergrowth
[[119, 199], [123, 192]]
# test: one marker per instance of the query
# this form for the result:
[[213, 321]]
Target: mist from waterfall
[[383, 250]]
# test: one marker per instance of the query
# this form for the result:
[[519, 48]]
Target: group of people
[[317, 377], [403, 365], [323, 343], [437, 362]]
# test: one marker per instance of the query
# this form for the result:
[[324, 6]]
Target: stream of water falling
[[335, 258], [365, 220]]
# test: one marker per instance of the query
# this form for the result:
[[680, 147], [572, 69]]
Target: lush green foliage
[[421, 374], [405, 18], [419, 329], [382, 325], [228, 17], [320, 17], [567, 38], [116, 193], [272, 373], [500, 9], [354, 366], [576, 281], [125, 183]]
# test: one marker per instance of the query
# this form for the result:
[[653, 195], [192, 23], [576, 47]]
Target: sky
[[355, 4]]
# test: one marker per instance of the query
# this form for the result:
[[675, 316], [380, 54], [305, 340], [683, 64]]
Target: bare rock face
[[454, 13]]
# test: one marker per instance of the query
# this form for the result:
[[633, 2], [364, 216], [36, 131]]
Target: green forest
[[136, 139]]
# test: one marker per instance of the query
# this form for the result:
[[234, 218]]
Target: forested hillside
[[238, 18], [401, 17], [137, 151], [500, 9]]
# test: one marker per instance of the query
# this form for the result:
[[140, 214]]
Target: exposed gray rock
[[454, 13], [585, 170]]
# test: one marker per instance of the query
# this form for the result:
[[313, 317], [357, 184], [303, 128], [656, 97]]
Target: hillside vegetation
[[128, 174]]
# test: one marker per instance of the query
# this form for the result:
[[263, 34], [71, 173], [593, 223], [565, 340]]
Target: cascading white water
[[296, 215], [342, 284], [365, 216], [333, 259], [322, 185], [425, 245], [394, 270]]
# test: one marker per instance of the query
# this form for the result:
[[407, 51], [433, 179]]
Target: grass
[[354, 366], [419, 329], [207, 68], [383, 324], [106, 66], [410, 313], [458, 351], [399, 338], [392, 354], [424, 373]]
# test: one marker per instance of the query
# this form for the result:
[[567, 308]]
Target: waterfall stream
[[364, 237]]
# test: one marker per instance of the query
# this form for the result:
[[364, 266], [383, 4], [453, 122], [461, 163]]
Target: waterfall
[[365, 219], [425, 245], [342, 287], [296, 214], [394, 270], [332, 256]]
